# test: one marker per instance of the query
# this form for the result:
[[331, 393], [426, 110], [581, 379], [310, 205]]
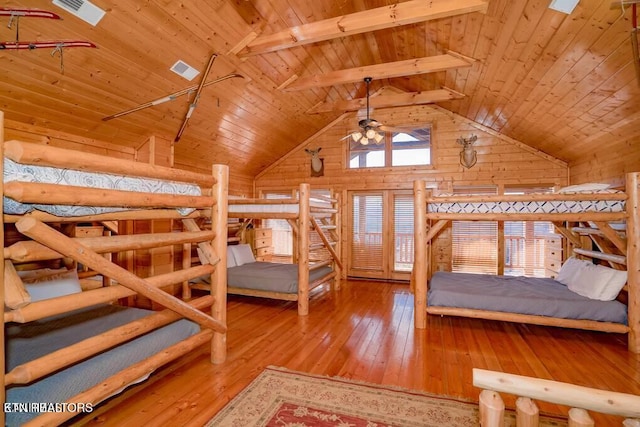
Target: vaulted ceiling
[[563, 84]]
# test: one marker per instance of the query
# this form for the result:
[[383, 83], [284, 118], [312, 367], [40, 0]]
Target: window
[[366, 231], [524, 242], [474, 243], [410, 149], [403, 232], [282, 235], [407, 148]]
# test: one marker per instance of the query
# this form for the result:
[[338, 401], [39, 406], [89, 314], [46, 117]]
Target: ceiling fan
[[370, 128]]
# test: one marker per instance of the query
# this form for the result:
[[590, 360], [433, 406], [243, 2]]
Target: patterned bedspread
[[44, 174]]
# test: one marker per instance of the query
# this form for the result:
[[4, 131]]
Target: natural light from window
[[407, 148]]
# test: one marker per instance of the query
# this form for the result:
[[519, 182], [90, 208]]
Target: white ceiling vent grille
[[83, 9], [185, 70]]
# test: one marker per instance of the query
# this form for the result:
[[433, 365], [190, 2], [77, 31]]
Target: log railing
[[579, 399]]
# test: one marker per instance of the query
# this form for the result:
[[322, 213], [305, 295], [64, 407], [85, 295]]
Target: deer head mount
[[317, 164], [468, 156]]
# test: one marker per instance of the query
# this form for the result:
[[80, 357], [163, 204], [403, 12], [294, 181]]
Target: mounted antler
[[468, 156], [316, 162]]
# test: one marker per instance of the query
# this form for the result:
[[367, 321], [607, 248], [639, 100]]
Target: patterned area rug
[[278, 397]]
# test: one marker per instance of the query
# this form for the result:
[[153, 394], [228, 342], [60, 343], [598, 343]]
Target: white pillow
[[569, 270], [590, 186], [54, 285], [243, 254], [231, 260], [598, 282]]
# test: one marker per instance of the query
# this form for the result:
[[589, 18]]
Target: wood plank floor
[[365, 332]]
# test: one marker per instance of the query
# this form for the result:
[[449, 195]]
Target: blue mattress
[[518, 294], [30, 341], [270, 276]]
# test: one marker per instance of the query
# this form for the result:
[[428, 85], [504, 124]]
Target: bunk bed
[[314, 220], [599, 208], [71, 348]]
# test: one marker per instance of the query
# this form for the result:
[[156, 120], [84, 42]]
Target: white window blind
[[366, 238], [282, 236], [474, 243], [403, 232], [524, 241]]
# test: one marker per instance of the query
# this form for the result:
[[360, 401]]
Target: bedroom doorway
[[380, 234]]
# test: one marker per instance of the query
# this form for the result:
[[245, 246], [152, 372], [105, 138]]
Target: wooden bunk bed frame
[[428, 224], [579, 399], [305, 217], [47, 243]]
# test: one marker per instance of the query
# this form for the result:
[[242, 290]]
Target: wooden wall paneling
[[501, 161]]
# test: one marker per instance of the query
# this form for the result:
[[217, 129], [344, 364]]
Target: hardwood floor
[[365, 332]]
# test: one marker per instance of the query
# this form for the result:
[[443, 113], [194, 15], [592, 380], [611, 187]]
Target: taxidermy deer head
[[316, 161], [468, 156]]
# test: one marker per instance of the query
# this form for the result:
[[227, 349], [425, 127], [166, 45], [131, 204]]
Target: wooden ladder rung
[[618, 259]]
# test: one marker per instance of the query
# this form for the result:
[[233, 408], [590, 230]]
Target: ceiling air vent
[[185, 70], [83, 9]]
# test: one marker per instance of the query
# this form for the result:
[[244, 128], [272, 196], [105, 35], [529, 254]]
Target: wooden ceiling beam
[[384, 101], [427, 64], [394, 15]]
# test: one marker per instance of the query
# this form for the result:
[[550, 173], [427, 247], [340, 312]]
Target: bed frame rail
[[579, 399]]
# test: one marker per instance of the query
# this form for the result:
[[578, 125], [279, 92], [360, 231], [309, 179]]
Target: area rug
[[283, 398]]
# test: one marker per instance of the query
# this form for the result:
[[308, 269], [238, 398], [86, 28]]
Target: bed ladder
[[611, 243]]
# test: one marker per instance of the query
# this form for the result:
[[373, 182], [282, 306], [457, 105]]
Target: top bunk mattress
[[530, 206], [49, 175], [518, 294]]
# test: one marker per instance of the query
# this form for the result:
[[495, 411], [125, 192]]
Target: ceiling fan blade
[[394, 129]]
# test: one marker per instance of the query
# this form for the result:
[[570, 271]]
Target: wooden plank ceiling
[[564, 84]]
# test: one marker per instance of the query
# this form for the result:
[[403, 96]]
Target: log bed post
[[2, 361], [304, 223], [420, 255], [219, 214], [633, 259]]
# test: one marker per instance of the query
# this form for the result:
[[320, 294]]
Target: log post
[[2, 266], [633, 259], [46, 235], [420, 255], [304, 223], [491, 409], [580, 418], [186, 263], [219, 219], [527, 413]]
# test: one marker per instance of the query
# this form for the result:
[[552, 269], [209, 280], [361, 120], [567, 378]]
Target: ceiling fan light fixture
[[370, 133], [356, 136], [378, 138], [364, 141]]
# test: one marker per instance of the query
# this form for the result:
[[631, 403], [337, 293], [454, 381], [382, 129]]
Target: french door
[[380, 240]]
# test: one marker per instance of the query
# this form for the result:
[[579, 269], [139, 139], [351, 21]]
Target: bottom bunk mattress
[[270, 276], [26, 342], [518, 294]]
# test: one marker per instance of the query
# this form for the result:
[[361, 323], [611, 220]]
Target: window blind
[[366, 232], [403, 232], [524, 241], [282, 235], [474, 246]]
